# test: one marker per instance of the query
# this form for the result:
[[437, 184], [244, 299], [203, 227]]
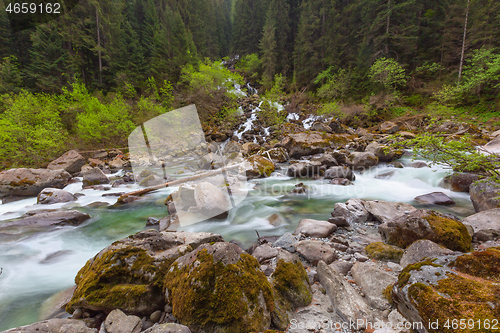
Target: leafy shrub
[[251, 66], [388, 73], [482, 70], [334, 85], [330, 109]]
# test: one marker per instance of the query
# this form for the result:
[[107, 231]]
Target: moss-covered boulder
[[291, 288], [219, 288], [258, 166], [449, 290], [442, 229], [129, 274], [382, 251]]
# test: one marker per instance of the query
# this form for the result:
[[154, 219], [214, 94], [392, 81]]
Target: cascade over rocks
[[426, 224], [30, 182]]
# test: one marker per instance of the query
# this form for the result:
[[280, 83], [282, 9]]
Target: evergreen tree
[[249, 20], [268, 47]]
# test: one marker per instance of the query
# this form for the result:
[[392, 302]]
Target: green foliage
[[32, 132], [209, 78], [334, 85], [250, 65], [10, 75], [276, 93], [388, 73], [329, 109], [271, 116], [461, 155], [482, 70], [100, 123], [428, 70]]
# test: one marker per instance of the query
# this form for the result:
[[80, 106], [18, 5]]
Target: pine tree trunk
[[387, 27], [463, 43], [99, 45]]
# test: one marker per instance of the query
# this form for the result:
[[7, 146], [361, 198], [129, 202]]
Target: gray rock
[[155, 316], [359, 257], [347, 303], [53, 195], [320, 127], [315, 251], [210, 199], [306, 169], [152, 221], [460, 182], [287, 242], [340, 172], [48, 219], [353, 211], [232, 147], [341, 181], [118, 322], [30, 182], [493, 146], [361, 161], [343, 267], [388, 127], [384, 153], [211, 161], [54, 326], [418, 165], [325, 159], [94, 176], [339, 221], [277, 155], [264, 252], [434, 198], [373, 282], [70, 161], [116, 163], [483, 195], [486, 224], [423, 249], [315, 228], [385, 211], [168, 328]]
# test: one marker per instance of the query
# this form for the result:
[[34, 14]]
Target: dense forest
[[143, 55]]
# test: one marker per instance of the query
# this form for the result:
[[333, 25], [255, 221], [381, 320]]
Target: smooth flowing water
[[35, 266]]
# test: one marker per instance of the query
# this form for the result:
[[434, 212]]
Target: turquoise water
[[38, 265]]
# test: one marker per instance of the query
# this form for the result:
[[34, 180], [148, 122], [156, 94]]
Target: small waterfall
[[247, 125], [251, 90]]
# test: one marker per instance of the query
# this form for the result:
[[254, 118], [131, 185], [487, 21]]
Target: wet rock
[[277, 155], [232, 147], [493, 146], [118, 322], [276, 220], [116, 163], [70, 161], [30, 182], [384, 211], [96, 163], [343, 267], [373, 282], [426, 224], [325, 159], [249, 148], [54, 325], [264, 252], [287, 241], [418, 165], [388, 127], [320, 127], [94, 176], [168, 328], [211, 161], [382, 251], [210, 199], [341, 181], [152, 221], [353, 211], [483, 195], [336, 127], [434, 198], [383, 153], [48, 219], [53, 195], [257, 166], [302, 144], [360, 161], [347, 303], [423, 249], [396, 164], [306, 169], [340, 172], [486, 224], [219, 288], [315, 228], [315, 251], [459, 182]]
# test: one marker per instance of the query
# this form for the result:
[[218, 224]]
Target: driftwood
[[176, 182]]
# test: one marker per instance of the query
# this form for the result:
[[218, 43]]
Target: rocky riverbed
[[317, 227]]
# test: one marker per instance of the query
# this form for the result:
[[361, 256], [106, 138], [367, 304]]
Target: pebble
[[360, 257], [155, 316]]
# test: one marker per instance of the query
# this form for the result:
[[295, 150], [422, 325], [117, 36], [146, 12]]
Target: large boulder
[[434, 198], [353, 211], [373, 282], [305, 169], [486, 224], [211, 161], [384, 211], [421, 249], [384, 153], [53, 195], [277, 155], [361, 161], [441, 293], [426, 224], [485, 195], [493, 146], [210, 199], [219, 288], [257, 166], [54, 326], [50, 218], [30, 182], [316, 251], [302, 144], [70, 161], [460, 182], [94, 176], [388, 127], [129, 274], [315, 228], [340, 172]]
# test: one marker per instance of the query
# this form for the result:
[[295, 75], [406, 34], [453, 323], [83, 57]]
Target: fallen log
[[177, 182]]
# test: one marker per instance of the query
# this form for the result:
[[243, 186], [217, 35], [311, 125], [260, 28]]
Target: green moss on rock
[[290, 280], [215, 297], [450, 233], [483, 264], [382, 251]]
